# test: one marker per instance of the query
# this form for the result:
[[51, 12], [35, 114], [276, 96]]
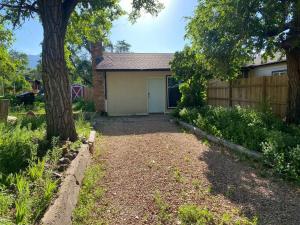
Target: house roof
[[135, 61], [260, 61]]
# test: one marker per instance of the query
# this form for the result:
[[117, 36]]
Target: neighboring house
[[134, 83], [270, 67]]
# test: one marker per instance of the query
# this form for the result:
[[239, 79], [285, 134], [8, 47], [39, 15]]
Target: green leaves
[[188, 68], [229, 33]]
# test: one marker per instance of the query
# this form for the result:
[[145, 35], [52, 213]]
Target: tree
[[122, 47], [230, 33], [188, 69], [55, 17], [12, 64]]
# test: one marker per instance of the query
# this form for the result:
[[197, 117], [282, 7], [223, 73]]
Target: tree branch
[[276, 31], [22, 6], [68, 8], [18, 9]]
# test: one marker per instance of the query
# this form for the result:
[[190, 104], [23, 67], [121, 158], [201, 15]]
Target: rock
[[71, 156], [30, 114], [62, 167], [65, 150], [64, 160], [57, 175]]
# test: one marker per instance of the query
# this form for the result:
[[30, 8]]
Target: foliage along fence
[[252, 91]]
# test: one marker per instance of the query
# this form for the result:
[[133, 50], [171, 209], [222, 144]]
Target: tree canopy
[[12, 64], [187, 67], [122, 47], [230, 33], [55, 18]]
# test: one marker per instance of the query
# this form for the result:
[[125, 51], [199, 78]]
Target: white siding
[[267, 69]]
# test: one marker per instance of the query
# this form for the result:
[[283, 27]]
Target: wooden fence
[[251, 92], [88, 94]]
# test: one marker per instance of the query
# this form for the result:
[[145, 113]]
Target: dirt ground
[[146, 157]]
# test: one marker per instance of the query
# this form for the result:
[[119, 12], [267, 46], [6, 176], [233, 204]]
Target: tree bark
[[292, 49], [293, 66], [59, 115]]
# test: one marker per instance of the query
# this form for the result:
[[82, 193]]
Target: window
[[173, 92], [279, 72]]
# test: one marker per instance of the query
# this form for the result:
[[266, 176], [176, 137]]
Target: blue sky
[[164, 33]]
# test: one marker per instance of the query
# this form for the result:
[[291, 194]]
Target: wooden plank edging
[[60, 212], [217, 140]]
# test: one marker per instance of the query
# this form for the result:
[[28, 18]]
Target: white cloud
[[146, 17]]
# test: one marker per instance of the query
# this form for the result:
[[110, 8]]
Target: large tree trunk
[[293, 66], [59, 114]]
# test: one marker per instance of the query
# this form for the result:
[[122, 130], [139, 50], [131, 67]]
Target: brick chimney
[[98, 77]]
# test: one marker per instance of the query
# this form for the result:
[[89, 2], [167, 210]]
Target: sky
[[164, 33]]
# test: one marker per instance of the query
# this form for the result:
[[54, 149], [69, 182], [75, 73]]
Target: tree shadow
[[273, 201], [135, 125]]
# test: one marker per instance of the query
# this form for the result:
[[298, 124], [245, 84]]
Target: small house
[[134, 83]]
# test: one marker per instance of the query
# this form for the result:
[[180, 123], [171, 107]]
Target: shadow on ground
[[274, 202], [120, 126]]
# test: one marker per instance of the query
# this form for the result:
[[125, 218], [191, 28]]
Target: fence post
[[4, 104], [230, 93]]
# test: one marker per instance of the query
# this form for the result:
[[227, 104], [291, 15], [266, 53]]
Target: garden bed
[[31, 168], [258, 131]]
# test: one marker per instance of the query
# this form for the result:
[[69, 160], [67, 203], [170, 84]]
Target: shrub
[[257, 130], [18, 146], [86, 106]]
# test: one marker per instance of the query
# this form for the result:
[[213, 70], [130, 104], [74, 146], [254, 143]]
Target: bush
[[18, 146], [27, 161], [256, 130], [86, 106]]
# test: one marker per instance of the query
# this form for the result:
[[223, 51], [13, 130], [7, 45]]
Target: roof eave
[[121, 70], [264, 64]]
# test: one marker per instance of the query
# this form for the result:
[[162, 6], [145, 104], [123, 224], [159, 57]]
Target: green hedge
[[258, 131]]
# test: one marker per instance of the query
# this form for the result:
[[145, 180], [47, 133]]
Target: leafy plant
[[193, 215], [177, 175], [22, 201], [257, 130], [89, 194], [81, 104], [189, 71], [6, 201], [36, 170], [164, 209], [17, 147]]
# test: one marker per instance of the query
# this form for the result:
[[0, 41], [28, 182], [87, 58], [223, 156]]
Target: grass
[[190, 214], [164, 214], [27, 165], [177, 175], [86, 211]]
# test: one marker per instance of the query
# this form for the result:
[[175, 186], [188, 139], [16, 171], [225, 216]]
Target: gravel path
[[146, 157]]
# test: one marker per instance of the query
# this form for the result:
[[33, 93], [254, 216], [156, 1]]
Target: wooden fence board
[[88, 94], [251, 92]]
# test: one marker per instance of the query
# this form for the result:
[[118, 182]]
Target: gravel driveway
[[148, 156]]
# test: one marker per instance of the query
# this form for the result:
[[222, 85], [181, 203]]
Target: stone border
[[200, 133], [60, 212]]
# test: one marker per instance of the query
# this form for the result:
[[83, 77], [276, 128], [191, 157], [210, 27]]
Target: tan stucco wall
[[127, 92]]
